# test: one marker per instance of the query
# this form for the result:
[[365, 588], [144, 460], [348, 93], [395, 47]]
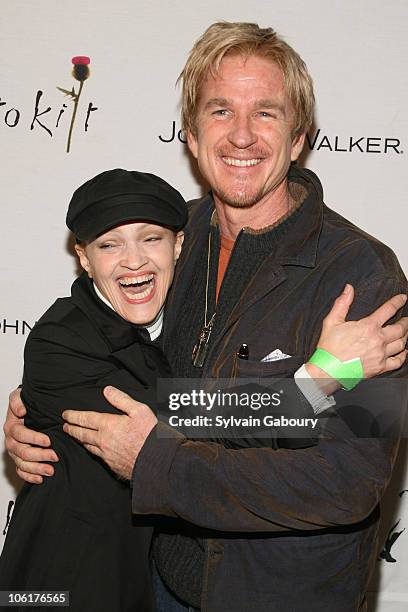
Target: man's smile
[[241, 163]]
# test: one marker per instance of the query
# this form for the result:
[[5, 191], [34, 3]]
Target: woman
[[75, 533]]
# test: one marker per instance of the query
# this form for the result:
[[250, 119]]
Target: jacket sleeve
[[337, 482]]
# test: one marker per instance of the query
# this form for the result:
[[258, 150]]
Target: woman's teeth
[[135, 287], [135, 280]]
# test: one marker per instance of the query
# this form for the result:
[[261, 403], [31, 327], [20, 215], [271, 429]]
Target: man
[[261, 528]]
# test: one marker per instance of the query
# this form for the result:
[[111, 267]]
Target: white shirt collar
[[155, 326]]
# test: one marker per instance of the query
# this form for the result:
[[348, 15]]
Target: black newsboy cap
[[121, 196]]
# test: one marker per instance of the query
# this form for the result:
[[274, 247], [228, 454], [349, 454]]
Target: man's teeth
[[135, 280], [242, 163]]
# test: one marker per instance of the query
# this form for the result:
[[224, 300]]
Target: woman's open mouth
[[137, 288]]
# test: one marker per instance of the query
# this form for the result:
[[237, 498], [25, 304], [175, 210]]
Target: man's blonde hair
[[245, 39]]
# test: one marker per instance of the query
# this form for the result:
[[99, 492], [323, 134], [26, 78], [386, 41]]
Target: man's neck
[[231, 220]]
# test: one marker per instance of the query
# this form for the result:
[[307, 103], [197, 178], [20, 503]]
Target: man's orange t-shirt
[[225, 253]]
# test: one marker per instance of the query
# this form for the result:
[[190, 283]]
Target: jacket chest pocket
[[281, 368]]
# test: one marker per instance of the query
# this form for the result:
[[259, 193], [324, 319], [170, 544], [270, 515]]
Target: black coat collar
[[117, 332], [128, 343]]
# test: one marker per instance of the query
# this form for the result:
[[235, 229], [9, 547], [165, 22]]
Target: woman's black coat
[[75, 532]]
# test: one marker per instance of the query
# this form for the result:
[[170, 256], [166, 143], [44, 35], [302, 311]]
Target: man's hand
[[27, 448], [380, 347], [117, 439]]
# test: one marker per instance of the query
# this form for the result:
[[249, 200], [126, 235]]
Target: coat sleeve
[[337, 482]]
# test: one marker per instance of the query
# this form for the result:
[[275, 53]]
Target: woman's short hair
[[246, 39]]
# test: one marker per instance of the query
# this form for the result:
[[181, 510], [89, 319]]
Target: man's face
[[243, 142]]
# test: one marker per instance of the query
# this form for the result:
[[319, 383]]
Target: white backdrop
[[356, 51]]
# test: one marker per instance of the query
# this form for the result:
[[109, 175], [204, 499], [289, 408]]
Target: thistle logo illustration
[[80, 72], [392, 537]]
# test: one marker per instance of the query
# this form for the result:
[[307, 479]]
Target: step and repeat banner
[[56, 132]]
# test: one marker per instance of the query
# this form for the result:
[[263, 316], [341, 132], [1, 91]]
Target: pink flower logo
[[80, 72]]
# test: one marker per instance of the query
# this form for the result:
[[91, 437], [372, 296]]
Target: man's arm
[[28, 449], [337, 482], [385, 345]]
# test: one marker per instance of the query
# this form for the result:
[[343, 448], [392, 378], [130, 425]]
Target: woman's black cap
[[121, 196]]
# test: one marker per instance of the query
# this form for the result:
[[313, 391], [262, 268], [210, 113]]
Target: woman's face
[[133, 267]]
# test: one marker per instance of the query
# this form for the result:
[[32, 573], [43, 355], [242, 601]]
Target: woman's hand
[[27, 448]]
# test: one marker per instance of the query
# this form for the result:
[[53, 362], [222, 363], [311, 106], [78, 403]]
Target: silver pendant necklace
[[200, 349]]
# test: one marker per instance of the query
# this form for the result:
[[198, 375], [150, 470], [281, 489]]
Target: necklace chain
[[201, 347]]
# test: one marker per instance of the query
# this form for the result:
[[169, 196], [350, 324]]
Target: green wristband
[[347, 373]]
